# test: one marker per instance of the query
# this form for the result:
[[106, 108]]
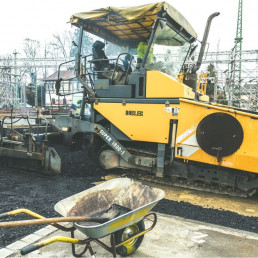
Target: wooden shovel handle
[[11, 224]]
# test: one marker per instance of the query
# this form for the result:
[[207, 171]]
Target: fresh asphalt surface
[[79, 172]]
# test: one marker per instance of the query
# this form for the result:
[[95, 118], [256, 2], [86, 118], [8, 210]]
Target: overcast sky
[[40, 19]]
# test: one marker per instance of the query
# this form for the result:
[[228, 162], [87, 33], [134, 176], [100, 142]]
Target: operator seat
[[126, 63], [123, 71]]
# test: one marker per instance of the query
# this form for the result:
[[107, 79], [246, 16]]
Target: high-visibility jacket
[[142, 47]]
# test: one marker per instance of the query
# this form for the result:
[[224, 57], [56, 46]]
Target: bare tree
[[31, 48], [32, 51], [61, 44], [86, 43]]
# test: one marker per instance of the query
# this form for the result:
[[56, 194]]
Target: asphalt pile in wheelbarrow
[[114, 211], [80, 172]]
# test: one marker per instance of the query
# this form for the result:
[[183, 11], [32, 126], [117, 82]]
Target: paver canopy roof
[[130, 25]]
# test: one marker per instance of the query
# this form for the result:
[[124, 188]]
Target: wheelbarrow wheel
[[124, 234]]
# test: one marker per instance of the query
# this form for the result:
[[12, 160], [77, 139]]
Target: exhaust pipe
[[204, 42]]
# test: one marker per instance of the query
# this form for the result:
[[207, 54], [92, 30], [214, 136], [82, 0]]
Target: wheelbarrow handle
[[30, 249], [11, 224], [18, 211], [4, 215], [49, 241]]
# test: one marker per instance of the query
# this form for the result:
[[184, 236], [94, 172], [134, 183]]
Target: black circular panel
[[219, 134]]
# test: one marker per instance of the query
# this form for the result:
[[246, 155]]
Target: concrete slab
[[5, 252], [17, 245], [172, 237], [32, 238]]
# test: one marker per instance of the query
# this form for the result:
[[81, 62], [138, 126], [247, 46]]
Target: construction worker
[[99, 54], [141, 49], [76, 110]]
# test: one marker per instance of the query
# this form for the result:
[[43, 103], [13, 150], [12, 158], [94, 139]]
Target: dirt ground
[[79, 172]]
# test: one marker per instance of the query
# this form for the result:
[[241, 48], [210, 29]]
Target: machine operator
[[141, 49]]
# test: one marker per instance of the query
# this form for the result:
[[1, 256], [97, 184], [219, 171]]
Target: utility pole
[[16, 90]]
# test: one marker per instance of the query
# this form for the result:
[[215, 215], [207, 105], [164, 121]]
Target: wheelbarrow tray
[[139, 198]]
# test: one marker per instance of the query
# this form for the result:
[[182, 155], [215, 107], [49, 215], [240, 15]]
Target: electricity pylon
[[236, 60]]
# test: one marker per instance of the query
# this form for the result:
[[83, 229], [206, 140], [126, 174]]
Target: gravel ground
[[79, 172], [41, 193], [218, 217]]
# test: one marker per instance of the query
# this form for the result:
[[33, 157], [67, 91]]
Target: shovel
[[11, 224]]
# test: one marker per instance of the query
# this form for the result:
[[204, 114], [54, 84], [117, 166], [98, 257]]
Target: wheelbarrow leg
[[87, 246], [91, 250], [73, 247], [113, 244], [79, 254]]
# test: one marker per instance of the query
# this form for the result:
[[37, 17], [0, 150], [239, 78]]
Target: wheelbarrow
[[119, 208]]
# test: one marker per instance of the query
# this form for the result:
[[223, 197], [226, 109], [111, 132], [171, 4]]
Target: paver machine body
[[157, 118]]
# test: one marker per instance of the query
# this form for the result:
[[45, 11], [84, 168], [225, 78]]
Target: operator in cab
[[100, 56], [141, 50]]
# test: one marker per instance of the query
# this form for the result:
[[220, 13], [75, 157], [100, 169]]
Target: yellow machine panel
[[192, 113], [161, 85], [140, 122]]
